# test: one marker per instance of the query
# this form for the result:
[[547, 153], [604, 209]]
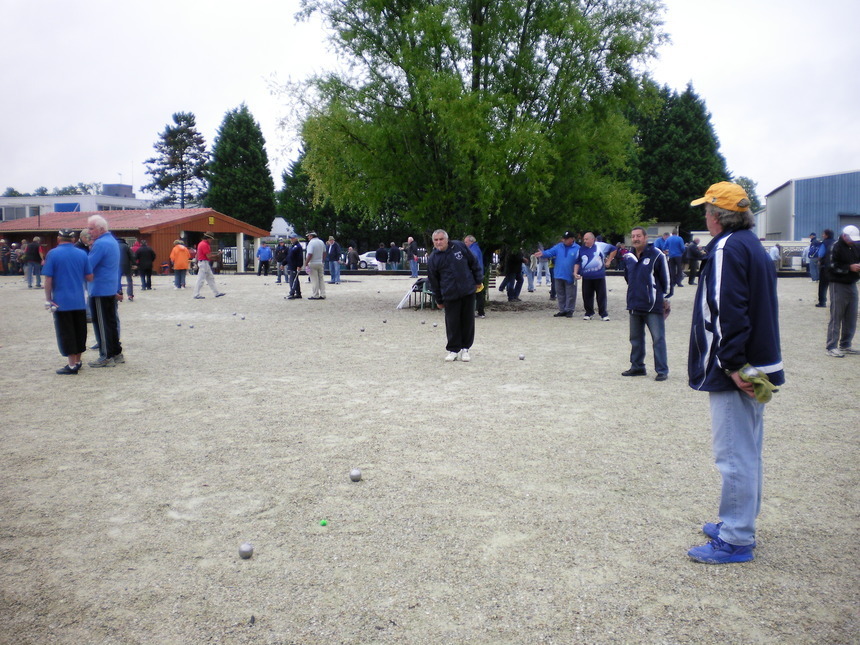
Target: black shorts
[[71, 327]]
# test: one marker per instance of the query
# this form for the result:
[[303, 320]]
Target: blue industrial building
[[801, 206]]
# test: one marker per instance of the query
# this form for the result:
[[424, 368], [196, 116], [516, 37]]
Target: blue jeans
[[657, 326], [413, 266], [179, 278], [813, 269], [334, 270], [33, 269], [282, 272], [737, 429], [530, 277], [514, 285]]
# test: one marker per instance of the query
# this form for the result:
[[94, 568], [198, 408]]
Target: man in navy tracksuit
[[454, 277], [647, 274], [735, 326]]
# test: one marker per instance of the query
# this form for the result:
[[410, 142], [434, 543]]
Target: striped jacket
[[735, 314], [647, 280]]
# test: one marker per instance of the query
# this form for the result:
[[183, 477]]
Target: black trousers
[[589, 289], [823, 283], [460, 323], [264, 267], [676, 269], [106, 325], [694, 271]]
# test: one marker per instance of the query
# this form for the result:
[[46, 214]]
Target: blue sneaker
[[718, 552], [713, 531]]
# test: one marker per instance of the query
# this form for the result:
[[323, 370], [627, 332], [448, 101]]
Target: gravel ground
[[547, 500]]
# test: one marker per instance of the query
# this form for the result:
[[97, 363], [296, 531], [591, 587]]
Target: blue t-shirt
[[675, 246], [592, 261], [68, 267], [104, 260]]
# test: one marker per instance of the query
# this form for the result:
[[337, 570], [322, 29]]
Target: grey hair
[[98, 221], [470, 238], [440, 231], [731, 220]]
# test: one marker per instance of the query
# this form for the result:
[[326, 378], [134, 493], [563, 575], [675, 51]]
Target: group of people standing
[[734, 355]]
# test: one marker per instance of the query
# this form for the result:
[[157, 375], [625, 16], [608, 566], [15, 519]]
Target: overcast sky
[[87, 86]]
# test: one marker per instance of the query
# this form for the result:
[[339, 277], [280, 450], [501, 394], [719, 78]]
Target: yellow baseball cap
[[725, 195]]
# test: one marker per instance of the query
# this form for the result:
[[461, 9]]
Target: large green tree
[[298, 206], [496, 117], [178, 170], [240, 182], [678, 156]]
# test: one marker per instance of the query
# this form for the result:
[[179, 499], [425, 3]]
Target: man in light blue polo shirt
[[565, 253]]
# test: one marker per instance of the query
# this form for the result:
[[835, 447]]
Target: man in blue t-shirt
[[66, 269], [675, 250], [594, 257], [105, 290]]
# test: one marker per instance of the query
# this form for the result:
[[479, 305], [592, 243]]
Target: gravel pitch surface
[[543, 500]]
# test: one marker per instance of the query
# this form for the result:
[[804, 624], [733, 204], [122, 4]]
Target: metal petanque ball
[[242, 317], [246, 550], [384, 321], [522, 357], [355, 474], [362, 329], [423, 321], [435, 324], [179, 324]]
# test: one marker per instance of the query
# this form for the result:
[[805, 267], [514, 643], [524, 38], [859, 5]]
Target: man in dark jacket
[[454, 278], [295, 261], [648, 282], [281, 252], [145, 258], [844, 268], [333, 254], [693, 255], [734, 347], [412, 256], [824, 267], [393, 257], [125, 262], [381, 256]]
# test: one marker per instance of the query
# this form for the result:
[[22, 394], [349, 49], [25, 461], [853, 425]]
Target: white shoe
[[848, 350], [464, 355], [452, 356], [605, 319], [587, 317], [837, 353]]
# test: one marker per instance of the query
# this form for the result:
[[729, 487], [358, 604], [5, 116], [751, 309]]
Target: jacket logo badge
[[458, 255], [646, 261]]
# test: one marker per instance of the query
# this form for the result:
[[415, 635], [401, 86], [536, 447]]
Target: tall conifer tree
[[240, 183], [679, 157], [178, 171]]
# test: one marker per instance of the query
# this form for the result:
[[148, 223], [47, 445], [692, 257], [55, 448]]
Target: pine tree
[[240, 183], [679, 157], [178, 171]]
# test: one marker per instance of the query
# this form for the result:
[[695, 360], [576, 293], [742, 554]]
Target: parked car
[[367, 260]]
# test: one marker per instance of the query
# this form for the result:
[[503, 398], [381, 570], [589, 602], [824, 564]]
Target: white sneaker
[[464, 355], [605, 319], [452, 356], [587, 317], [837, 353], [848, 350]]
